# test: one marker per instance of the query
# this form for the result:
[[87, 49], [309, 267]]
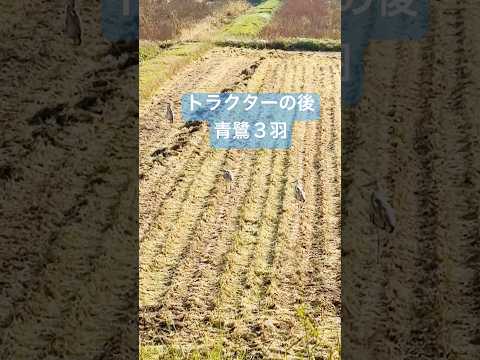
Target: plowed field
[[249, 267], [416, 132]]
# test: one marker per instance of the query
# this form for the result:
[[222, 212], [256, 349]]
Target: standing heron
[[299, 192], [73, 24], [382, 214], [169, 114], [229, 178]]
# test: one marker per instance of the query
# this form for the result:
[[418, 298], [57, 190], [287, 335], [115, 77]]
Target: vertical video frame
[[239, 179]]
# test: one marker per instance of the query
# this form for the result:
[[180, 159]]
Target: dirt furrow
[[470, 80], [58, 255], [322, 275], [174, 210], [166, 241], [293, 242], [212, 227], [398, 134], [230, 299], [252, 307], [156, 132], [161, 173], [204, 284], [213, 72], [223, 276], [457, 214], [74, 122], [424, 291]]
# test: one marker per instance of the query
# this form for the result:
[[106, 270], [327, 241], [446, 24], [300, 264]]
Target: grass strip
[[252, 23], [162, 66], [288, 44], [152, 49]]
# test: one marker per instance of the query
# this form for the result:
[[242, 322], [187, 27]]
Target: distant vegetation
[[306, 19], [170, 19], [269, 19], [151, 49], [252, 23], [163, 20], [175, 32], [292, 44]]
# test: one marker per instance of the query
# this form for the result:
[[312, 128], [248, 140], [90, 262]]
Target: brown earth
[[238, 266], [68, 181], [415, 131]]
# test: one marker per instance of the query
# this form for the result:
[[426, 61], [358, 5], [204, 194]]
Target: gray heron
[[73, 24]]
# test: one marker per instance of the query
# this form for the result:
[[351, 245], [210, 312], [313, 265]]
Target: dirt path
[[421, 300], [238, 266]]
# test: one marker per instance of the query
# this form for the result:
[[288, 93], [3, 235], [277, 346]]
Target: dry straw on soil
[[249, 269], [421, 143], [306, 19], [185, 19]]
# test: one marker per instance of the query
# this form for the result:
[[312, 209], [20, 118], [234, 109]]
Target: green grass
[[252, 23], [166, 61], [290, 44], [215, 351], [315, 338], [149, 353], [160, 60], [151, 49], [314, 341]]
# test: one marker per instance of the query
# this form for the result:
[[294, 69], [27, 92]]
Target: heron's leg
[[378, 249]]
